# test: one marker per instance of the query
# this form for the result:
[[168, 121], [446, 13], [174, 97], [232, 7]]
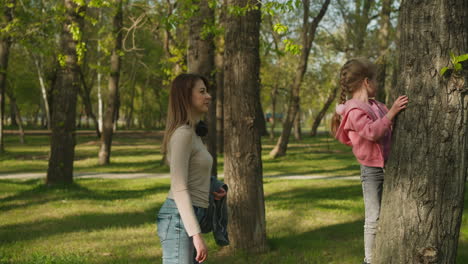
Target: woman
[[190, 165]]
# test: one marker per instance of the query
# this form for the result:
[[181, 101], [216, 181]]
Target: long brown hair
[[352, 74], [179, 110]]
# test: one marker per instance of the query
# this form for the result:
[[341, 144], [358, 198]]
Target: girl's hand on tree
[[200, 247], [400, 103], [218, 195]]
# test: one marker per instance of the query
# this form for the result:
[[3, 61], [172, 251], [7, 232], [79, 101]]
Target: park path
[[27, 176]]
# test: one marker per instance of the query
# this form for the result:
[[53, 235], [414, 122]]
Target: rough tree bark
[[242, 145], [62, 147], [425, 177], [307, 38], [201, 60], [113, 97]]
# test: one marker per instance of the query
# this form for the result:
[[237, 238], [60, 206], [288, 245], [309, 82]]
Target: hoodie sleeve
[[360, 122]]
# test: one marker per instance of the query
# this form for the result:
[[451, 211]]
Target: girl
[[366, 126], [190, 166]]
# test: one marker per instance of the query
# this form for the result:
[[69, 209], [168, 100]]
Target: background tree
[[201, 60], [242, 146], [307, 38], [62, 148], [113, 97], [6, 17], [427, 170]]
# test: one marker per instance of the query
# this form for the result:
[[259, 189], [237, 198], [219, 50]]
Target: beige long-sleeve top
[[190, 165]]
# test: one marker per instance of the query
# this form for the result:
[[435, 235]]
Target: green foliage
[[289, 46], [456, 63]]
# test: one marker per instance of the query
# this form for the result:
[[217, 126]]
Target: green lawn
[[113, 221], [141, 153]]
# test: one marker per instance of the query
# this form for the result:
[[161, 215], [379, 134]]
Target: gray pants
[[372, 179]]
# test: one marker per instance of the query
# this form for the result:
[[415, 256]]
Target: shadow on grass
[[317, 196], [327, 238], [76, 223], [42, 194]]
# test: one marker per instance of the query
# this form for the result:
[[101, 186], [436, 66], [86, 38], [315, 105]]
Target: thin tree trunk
[[384, 39], [112, 102], [307, 38], [85, 94], [242, 141], [18, 120], [16, 113], [297, 125], [62, 150], [274, 95], [5, 42], [323, 111], [201, 60], [129, 117], [425, 177], [99, 77], [43, 91], [13, 122]]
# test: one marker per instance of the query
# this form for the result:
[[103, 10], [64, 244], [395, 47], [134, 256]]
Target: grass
[[141, 153], [113, 221]]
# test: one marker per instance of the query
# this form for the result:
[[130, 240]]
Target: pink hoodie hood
[[366, 129]]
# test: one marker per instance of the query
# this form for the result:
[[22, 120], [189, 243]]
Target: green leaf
[[443, 70], [280, 28], [452, 57], [461, 58], [457, 66]]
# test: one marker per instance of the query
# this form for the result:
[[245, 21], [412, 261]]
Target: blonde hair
[[352, 74], [179, 110]]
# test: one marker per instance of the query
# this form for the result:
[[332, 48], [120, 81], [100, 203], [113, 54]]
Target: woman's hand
[[218, 195], [200, 247], [400, 104]]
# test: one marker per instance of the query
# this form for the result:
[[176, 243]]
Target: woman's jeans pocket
[[163, 222]]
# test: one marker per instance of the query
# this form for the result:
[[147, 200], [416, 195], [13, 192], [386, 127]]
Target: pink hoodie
[[367, 130]]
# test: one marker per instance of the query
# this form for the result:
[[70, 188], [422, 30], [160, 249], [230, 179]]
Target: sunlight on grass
[[113, 221]]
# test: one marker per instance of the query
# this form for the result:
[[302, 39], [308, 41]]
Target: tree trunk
[[129, 116], [274, 94], [307, 38], [5, 41], [219, 60], [297, 125], [201, 60], [261, 116], [426, 173], [384, 39], [18, 118], [13, 116], [43, 91], [242, 142], [323, 111], [62, 149], [112, 102], [85, 94]]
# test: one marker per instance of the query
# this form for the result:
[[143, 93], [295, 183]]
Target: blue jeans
[[372, 179], [177, 246]]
